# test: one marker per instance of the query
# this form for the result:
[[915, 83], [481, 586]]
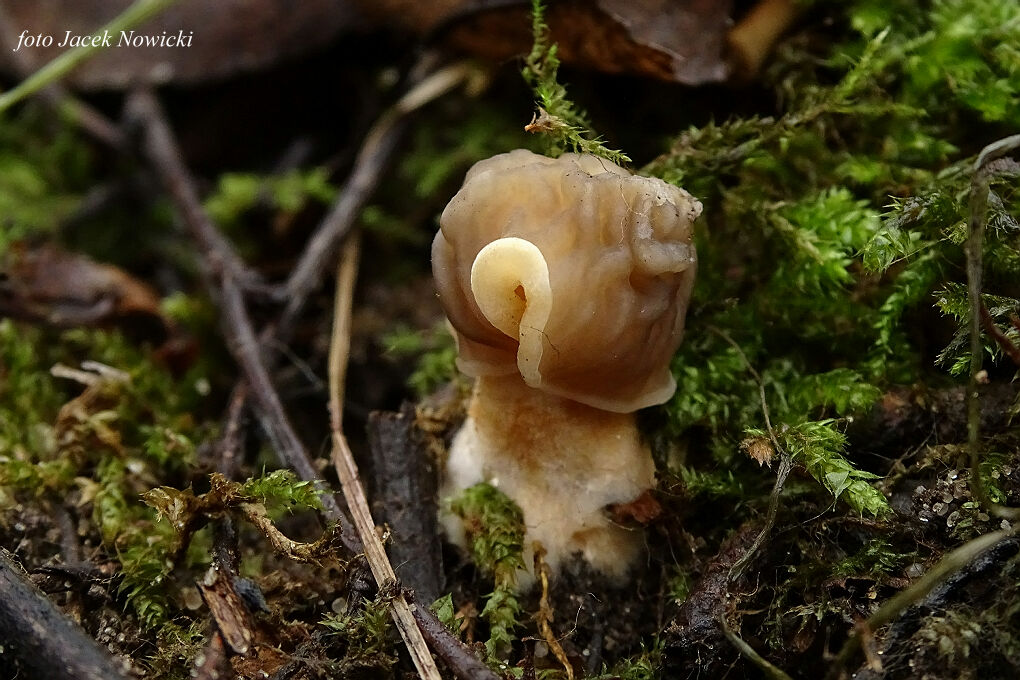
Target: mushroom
[[566, 282]]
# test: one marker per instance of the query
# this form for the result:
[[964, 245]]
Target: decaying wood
[[223, 271], [695, 639], [405, 500], [347, 471], [228, 610], [36, 633]]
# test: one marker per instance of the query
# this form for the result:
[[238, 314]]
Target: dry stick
[[244, 347], [272, 416], [42, 638], [979, 186], [343, 460], [220, 259], [769, 669], [138, 13], [373, 157], [960, 557]]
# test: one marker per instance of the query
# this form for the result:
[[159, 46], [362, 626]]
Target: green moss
[[495, 528], [365, 635], [566, 126], [281, 490], [43, 171]]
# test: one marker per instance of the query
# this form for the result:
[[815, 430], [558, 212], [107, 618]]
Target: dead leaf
[[53, 286], [643, 510], [678, 41]]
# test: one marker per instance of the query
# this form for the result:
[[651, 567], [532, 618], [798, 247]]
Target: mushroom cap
[[570, 271]]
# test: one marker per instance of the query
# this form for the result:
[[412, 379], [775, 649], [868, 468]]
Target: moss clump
[[495, 527]]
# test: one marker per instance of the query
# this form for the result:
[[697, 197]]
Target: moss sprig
[[565, 125]]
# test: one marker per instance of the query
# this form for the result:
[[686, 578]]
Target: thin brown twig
[[949, 564], [240, 334], [545, 612], [1004, 343], [782, 472], [974, 249], [244, 347], [347, 470], [769, 669], [376, 151]]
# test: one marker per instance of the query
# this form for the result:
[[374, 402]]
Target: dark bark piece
[[42, 639], [694, 640], [443, 644], [405, 499], [228, 610]]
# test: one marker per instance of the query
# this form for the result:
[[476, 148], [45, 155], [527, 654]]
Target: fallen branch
[[42, 638], [245, 347], [218, 255], [376, 151]]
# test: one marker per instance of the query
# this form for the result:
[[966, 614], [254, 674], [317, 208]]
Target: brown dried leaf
[[679, 41], [643, 510], [52, 286]]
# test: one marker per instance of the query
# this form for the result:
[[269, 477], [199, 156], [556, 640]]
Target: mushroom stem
[[561, 461]]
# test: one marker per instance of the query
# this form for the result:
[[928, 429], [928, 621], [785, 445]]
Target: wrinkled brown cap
[[571, 271]]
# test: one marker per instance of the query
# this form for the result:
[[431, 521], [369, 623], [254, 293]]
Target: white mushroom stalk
[[567, 282]]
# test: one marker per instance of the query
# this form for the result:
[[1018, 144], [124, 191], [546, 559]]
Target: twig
[[244, 347], [769, 669], [782, 472], [373, 157], [1004, 343], [138, 13], [241, 338], [545, 612], [42, 638], [973, 248], [346, 469], [948, 565], [228, 448]]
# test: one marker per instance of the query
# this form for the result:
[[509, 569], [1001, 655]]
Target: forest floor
[[183, 362]]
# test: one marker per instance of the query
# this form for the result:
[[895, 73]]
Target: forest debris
[[347, 471], [891, 608], [680, 42], [49, 285], [228, 610], [41, 638], [695, 637], [544, 616], [405, 500], [186, 512]]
